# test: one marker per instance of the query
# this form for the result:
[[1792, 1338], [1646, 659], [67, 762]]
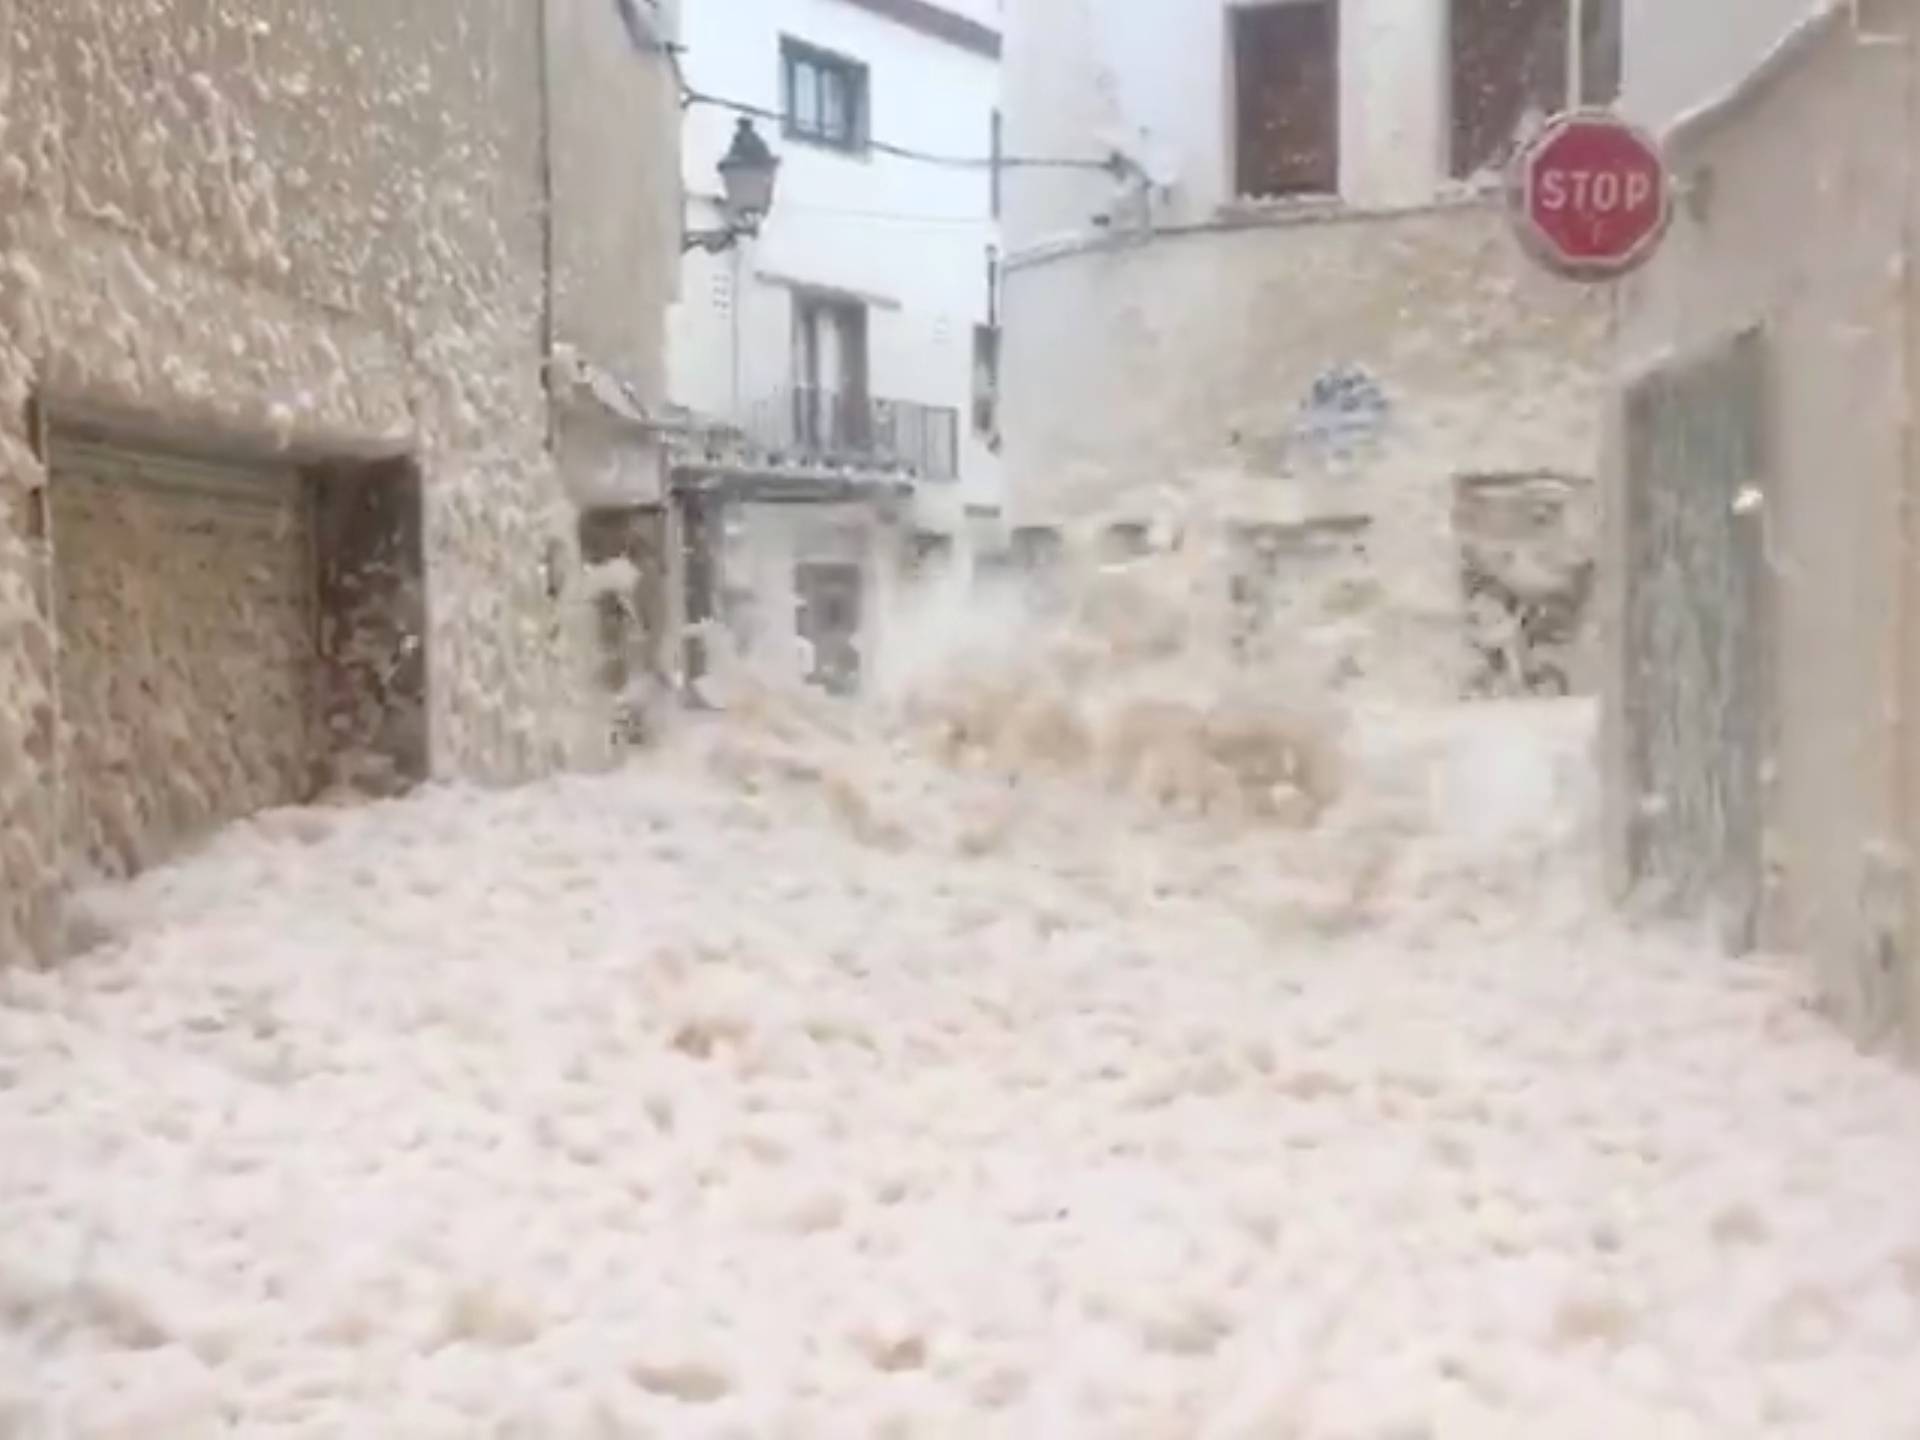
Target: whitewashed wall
[[1681, 53], [1154, 78], [1180, 363], [910, 238], [1804, 200]]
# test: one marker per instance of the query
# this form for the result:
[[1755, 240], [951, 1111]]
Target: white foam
[[749, 1091]]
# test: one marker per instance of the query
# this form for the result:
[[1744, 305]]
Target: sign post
[[1591, 196]]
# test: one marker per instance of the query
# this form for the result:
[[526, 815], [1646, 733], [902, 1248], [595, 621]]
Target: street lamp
[[747, 173]]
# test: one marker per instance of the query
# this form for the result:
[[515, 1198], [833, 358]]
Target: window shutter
[[1287, 98]]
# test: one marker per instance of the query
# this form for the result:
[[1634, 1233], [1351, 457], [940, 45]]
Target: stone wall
[[312, 232], [616, 237], [1298, 364], [1528, 545]]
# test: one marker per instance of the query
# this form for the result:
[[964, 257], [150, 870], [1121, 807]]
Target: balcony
[[855, 432]]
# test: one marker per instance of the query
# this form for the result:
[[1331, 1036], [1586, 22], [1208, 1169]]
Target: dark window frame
[[1602, 57], [1317, 170], [855, 78], [832, 411], [1566, 53]]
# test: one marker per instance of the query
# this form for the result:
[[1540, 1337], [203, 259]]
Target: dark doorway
[[829, 621], [830, 386]]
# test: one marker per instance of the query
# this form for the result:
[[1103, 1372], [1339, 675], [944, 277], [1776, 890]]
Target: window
[[986, 380], [1125, 540], [831, 412], [1516, 62], [1286, 66], [1602, 50], [1038, 550], [824, 96], [932, 554]]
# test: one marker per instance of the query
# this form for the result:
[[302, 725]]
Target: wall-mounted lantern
[[747, 174]]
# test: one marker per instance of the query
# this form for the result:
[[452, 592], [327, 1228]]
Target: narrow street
[[790, 1083], [960, 720]]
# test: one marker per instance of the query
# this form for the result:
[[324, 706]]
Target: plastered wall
[[1186, 365], [910, 240], [1797, 226], [1153, 79], [1678, 56]]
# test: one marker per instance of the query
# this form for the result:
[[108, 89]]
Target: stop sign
[[1591, 196]]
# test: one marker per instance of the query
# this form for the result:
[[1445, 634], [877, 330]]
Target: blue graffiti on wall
[[1345, 409]]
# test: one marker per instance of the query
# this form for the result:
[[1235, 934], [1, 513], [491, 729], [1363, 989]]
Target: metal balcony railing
[[822, 426]]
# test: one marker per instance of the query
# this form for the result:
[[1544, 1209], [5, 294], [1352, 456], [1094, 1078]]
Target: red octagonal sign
[[1591, 196]]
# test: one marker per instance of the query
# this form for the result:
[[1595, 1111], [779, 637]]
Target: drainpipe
[[1906, 627], [738, 298], [48, 728]]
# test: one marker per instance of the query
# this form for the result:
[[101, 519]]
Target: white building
[[856, 332], [1763, 712], [1307, 298]]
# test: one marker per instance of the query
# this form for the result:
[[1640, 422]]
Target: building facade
[[1762, 737], [851, 346], [285, 500], [1299, 297]]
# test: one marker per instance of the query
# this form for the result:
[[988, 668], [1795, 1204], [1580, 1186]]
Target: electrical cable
[[962, 222], [1115, 164]]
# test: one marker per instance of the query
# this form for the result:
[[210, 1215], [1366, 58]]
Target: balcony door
[[830, 395]]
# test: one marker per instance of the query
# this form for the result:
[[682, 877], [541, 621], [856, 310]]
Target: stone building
[[1763, 692], [1298, 304], [286, 501]]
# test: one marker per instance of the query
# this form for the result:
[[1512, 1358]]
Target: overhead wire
[[1114, 164], [962, 222]]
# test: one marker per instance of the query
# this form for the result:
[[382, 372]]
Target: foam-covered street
[[787, 1085]]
